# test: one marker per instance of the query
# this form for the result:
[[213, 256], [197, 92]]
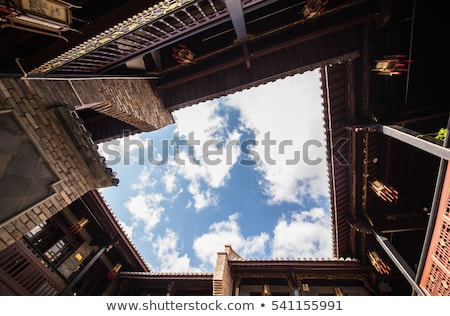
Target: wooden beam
[[237, 19], [156, 55], [397, 223]]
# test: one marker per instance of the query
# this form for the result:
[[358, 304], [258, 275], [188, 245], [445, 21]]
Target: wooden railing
[[24, 272]]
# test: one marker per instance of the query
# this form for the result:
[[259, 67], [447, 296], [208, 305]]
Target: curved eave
[[118, 236], [335, 91]]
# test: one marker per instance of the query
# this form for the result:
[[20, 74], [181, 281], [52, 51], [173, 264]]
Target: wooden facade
[[387, 175], [78, 251]]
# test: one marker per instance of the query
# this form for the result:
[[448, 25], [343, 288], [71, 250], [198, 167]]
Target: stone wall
[[39, 126], [47, 157]]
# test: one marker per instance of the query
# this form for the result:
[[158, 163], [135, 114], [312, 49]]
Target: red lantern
[[76, 228], [385, 192], [114, 271], [183, 55], [378, 263]]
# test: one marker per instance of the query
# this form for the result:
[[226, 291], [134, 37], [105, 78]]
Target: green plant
[[439, 136]]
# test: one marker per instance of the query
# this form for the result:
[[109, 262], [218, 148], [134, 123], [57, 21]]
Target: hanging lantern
[[392, 65], [114, 271], [378, 263], [313, 8], [183, 55], [385, 192], [76, 228], [266, 290], [338, 291]]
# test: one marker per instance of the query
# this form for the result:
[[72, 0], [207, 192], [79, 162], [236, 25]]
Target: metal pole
[[399, 262], [410, 50], [410, 137]]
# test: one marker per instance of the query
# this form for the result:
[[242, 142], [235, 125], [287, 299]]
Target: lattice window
[[436, 275], [439, 282], [447, 210], [442, 252]]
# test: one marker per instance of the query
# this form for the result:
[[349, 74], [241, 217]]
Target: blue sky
[[248, 170]]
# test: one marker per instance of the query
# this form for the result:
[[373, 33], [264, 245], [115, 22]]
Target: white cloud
[[201, 119], [306, 234], [208, 131], [145, 179], [227, 233], [169, 180], [202, 199], [127, 150], [276, 113], [146, 208], [169, 255]]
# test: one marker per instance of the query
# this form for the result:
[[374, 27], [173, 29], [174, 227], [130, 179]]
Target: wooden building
[[382, 64], [78, 251]]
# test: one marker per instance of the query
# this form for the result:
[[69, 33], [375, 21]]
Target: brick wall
[[220, 287], [60, 142], [132, 101], [222, 279]]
